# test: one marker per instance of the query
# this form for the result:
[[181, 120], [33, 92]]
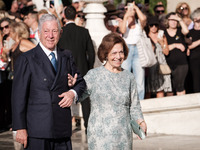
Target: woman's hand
[[143, 125], [72, 80], [180, 46]]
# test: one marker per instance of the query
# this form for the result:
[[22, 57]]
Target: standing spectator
[[131, 28], [177, 59], [194, 58], [156, 82], [7, 43], [5, 29], [41, 97], [183, 9], [45, 4], [31, 19], [112, 18], [14, 9], [159, 10], [20, 34], [114, 101], [78, 40]]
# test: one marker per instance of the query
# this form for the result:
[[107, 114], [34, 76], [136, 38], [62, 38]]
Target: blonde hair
[[179, 6], [3, 14], [20, 29]]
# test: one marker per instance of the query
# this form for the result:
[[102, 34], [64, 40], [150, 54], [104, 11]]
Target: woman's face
[[5, 27], [116, 56], [172, 22], [184, 10], [153, 28]]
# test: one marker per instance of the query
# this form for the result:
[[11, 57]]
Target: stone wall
[[173, 115]]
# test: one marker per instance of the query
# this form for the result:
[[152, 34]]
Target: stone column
[[95, 23]]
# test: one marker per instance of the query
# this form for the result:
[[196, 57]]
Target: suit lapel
[[44, 63], [61, 61]]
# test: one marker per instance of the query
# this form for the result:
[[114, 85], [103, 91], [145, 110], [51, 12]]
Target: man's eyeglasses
[[6, 27], [183, 8], [160, 11], [151, 25]]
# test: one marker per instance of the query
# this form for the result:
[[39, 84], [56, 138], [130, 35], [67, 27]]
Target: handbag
[[164, 69], [137, 129], [145, 50]]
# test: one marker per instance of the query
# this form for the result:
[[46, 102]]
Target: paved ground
[[152, 142]]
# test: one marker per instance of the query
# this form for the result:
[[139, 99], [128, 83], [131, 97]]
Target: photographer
[[131, 27]]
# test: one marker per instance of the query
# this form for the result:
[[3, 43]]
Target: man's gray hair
[[48, 17]]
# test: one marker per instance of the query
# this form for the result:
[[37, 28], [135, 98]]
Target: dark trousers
[[195, 71], [49, 144], [86, 111]]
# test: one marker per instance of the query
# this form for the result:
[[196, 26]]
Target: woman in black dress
[[177, 59], [194, 60]]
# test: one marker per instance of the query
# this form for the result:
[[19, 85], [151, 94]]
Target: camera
[[51, 2], [113, 22]]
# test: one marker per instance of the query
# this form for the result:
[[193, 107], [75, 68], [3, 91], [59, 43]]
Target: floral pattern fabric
[[114, 102]]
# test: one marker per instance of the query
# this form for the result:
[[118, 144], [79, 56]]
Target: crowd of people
[[110, 94]]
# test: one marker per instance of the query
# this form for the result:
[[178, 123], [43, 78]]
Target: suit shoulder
[[28, 53], [66, 52]]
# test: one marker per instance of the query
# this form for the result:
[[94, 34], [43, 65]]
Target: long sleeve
[[20, 92], [135, 109], [89, 79], [80, 85]]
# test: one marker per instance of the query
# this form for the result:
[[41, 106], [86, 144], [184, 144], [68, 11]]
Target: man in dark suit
[[78, 40], [41, 97]]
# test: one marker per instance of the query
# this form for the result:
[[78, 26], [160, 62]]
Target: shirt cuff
[[75, 97]]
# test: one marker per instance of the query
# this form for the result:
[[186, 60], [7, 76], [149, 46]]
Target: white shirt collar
[[69, 22], [47, 52]]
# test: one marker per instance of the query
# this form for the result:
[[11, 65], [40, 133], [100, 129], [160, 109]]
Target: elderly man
[[41, 97]]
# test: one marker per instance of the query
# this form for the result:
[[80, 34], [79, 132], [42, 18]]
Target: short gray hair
[[195, 14], [48, 17]]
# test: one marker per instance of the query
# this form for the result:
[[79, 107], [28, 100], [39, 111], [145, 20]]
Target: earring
[[105, 61]]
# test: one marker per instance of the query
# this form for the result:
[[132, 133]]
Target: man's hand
[[22, 136], [67, 100], [72, 80]]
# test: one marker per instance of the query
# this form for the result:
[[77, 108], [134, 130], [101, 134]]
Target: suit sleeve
[[80, 85], [90, 51], [20, 91]]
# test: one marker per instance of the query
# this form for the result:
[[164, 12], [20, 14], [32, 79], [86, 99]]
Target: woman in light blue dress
[[114, 99]]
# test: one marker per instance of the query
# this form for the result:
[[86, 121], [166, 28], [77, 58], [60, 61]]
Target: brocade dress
[[114, 102]]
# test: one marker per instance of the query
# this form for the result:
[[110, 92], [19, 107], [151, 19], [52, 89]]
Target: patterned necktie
[[53, 61]]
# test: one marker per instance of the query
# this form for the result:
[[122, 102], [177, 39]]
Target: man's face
[[160, 10], [29, 20], [50, 34]]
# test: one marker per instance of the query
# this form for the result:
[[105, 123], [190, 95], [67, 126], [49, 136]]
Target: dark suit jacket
[[35, 94], [77, 39]]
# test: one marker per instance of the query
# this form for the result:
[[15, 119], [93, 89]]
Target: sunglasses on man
[[160, 11], [6, 27]]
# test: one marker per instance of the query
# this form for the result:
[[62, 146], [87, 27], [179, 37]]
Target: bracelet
[[164, 46], [141, 122]]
